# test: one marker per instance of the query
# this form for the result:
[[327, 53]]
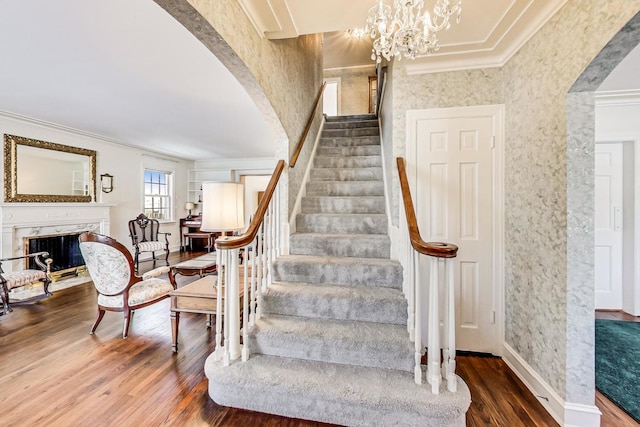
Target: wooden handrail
[[252, 231], [435, 249], [296, 153]]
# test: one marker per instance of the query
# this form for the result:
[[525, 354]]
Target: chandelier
[[405, 30]]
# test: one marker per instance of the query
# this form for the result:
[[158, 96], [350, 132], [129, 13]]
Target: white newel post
[[417, 324], [433, 356], [232, 316], [450, 357], [218, 350]]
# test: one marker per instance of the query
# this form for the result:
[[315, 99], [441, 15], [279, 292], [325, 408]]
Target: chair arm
[[155, 272], [36, 256], [166, 236]]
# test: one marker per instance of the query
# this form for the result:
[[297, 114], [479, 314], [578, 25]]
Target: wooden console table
[[196, 297]]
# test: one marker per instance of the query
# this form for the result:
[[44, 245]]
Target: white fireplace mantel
[[20, 220]]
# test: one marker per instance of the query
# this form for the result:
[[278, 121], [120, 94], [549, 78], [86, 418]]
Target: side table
[[199, 296]]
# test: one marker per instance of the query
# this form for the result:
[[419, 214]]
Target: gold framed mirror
[[41, 171]]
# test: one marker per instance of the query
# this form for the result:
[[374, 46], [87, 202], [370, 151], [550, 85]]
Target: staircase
[[332, 344]]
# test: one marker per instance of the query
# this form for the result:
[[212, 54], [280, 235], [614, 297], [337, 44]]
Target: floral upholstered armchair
[[145, 233], [111, 268], [16, 279]]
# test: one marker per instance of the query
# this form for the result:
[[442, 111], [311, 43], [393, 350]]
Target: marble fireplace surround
[[20, 220]]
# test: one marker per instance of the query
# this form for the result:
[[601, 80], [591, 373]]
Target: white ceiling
[[127, 71]]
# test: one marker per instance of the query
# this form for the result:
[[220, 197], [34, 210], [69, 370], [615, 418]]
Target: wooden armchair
[[119, 289], [144, 234], [16, 279]]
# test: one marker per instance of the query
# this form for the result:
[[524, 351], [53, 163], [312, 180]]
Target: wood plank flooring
[[53, 373]]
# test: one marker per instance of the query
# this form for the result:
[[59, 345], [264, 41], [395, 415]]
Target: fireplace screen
[[64, 250]]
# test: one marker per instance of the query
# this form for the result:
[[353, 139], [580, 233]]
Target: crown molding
[[530, 21], [79, 132]]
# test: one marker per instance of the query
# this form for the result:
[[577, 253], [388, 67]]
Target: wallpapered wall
[[533, 85], [354, 88], [282, 76]]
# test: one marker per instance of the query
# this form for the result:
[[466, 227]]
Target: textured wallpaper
[[548, 182], [282, 76], [354, 88], [549, 196]]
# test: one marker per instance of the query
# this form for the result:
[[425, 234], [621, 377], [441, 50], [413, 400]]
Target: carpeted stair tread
[[338, 271], [341, 223], [347, 162], [350, 132], [357, 150], [346, 174], [347, 245], [373, 123], [345, 188], [362, 303], [377, 345], [343, 204], [351, 118], [334, 393], [348, 142]]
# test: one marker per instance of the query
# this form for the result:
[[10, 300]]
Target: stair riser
[[342, 352], [351, 118], [351, 125], [348, 142], [343, 246], [365, 188], [332, 174], [353, 132], [392, 311], [361, 224], [345, 205], [336, 151], [353, 162], [338, 274]]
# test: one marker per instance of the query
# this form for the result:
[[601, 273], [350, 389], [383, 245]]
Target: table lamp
[[189, 206]]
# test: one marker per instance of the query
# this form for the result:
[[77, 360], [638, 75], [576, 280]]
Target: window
[[157, 194]]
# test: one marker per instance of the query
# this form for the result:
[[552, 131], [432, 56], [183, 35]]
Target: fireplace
[[23, 222], [64, 251]]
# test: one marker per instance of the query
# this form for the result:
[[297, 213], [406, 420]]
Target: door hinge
[[493, 317], [493, 142]]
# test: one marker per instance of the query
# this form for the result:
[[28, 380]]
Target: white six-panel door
[[608, 226], [451, 163]]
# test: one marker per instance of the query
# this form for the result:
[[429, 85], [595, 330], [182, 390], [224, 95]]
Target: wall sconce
[[189, 206], [106, 183]]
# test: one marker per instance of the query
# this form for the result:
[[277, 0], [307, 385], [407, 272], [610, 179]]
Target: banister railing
[[261, 244], [413, 288], [303, 138]]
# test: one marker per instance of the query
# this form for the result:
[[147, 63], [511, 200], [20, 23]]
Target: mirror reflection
[[40, 171]]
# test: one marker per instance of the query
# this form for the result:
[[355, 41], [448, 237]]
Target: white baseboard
[[565, 413]]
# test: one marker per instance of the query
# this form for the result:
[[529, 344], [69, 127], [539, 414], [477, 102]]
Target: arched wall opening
[[580, 164]]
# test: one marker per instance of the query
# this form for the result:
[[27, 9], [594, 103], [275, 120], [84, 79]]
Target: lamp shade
[[222, 206], [189, 206]]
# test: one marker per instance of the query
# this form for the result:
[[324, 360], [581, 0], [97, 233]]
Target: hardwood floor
[[612, 416], [53, 373]]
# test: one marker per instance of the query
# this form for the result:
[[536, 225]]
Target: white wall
[[126, 164]]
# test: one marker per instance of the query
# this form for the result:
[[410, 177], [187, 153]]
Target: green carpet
[[618, 363]]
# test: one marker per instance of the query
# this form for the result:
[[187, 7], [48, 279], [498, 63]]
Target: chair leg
[[4, 295], [166, 257], [127, 320], [98, 320], [45, 284], [137, 254]]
